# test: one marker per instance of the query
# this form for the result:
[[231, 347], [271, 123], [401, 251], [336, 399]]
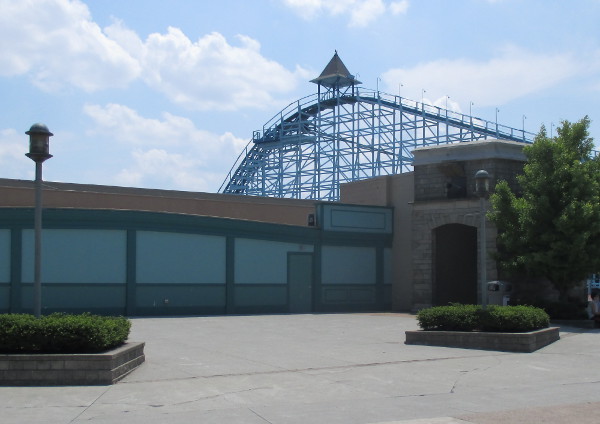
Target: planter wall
[[510, 342], [86, 369]]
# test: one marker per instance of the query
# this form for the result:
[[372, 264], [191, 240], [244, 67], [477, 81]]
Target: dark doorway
[[455, 264]]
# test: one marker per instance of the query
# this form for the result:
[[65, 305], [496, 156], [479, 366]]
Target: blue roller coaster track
[[344, 134]]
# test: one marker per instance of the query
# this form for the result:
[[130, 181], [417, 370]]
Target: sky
[[166, 93]]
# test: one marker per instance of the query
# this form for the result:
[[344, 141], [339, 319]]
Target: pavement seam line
[[259, 416], [306, 370], [91, 404]]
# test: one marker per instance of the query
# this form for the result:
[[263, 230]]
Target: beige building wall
[[396, 191], [19, 193]]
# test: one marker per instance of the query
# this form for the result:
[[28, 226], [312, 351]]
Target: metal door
[[300, 281]]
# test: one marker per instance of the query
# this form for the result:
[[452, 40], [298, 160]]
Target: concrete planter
[[509, 342], [87, 369]]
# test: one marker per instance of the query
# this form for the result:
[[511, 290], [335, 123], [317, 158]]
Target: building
[[154, 252], [397, 242]]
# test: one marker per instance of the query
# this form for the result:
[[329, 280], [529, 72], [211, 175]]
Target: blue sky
[[166, 94]]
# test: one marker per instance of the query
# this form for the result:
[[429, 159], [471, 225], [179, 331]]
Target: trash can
[[499, 292]]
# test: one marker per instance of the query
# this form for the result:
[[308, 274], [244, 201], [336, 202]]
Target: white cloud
[[399, 7], [126, 125], [212, 74], [62, 46], [13, 162], [366, 12], [157, 167], [55, 42], [360, 12], [512, 74], [167, 152], [310, 9]]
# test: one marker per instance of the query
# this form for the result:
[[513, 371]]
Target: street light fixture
[[471, 113], [39, 151], [482, 190], [497, 110]]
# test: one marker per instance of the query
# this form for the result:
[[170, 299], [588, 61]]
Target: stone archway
[[454, 264], [427, 217]]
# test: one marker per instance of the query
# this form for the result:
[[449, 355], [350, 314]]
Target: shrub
[[457, 317], [514, 319], [61, 333]]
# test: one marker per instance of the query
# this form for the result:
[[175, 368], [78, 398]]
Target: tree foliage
[[551, 228]]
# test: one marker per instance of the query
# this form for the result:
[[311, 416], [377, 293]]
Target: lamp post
[[39, 151], [482, 190], [471, 113], [497, 110]]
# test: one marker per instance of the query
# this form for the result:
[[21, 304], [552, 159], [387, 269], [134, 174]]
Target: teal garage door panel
[[348, 265], [4, 256], [4, 298], [261, 299], [95, 298], [263, 261], [172, 299], [164, 258], [77, 256]]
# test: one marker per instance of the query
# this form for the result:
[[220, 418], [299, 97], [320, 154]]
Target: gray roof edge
[[471, 150]]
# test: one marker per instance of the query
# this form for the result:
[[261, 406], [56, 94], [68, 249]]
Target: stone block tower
[[446, 217]]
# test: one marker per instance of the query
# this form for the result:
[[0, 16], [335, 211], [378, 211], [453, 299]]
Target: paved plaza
[[324, 368]]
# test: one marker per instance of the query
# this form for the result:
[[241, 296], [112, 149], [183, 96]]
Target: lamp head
[[39, 143], [482, 183]]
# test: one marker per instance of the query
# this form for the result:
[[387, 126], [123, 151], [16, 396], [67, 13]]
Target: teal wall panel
[[348, 265], [387, 266], [257, 296], [4, 297], [77, 256], [359, 219], [4, 256], [79, 297], [349, 295], [263, 261], [161, 298], [387, 297], [180, 258]]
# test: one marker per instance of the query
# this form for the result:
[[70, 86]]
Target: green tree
[[551, 228]]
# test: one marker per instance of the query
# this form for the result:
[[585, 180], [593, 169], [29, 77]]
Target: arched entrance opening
[[454, 264]]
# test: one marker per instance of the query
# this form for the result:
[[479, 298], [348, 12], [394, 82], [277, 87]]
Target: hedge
[[61, 333], [457, 317]]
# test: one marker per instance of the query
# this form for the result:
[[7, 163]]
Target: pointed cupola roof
[[336, 74]]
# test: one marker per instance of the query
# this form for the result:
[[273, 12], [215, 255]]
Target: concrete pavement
[[330, 368]]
